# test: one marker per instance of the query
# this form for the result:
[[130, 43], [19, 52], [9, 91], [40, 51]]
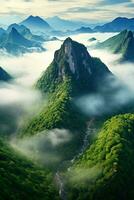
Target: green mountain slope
[[123, 43], [20, 179], [72, 73], [106, 170], [73, 61]]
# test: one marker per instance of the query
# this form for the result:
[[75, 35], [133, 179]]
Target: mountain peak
[[16, 38], [120, 19], [36, 24], [31, 17], [130, 34], [13, 33], [73, 60], [74, 54], [14, 30], [68, 40]]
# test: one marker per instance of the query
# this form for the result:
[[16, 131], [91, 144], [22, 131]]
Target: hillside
[[72, 73], [21, 179], [123, 44], [106, 170]]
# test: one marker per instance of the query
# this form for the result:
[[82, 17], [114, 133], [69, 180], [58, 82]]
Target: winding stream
[[58, 177]]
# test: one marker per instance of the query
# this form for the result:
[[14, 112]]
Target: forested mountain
[[21, 179], [123, 44], [106, 170], [72, 73]]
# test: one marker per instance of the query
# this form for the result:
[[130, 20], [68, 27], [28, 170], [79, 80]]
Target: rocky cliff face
[[73, 60]]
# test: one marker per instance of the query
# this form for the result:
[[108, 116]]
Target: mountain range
[[95, 161], [36, 24], [117, 25], [25, 32], [64, 25], [15, 43], [72, 73]]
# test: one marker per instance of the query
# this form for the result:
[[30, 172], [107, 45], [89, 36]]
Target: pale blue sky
[[91, 10]]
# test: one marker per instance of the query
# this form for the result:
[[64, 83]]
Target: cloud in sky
[[97, 10]]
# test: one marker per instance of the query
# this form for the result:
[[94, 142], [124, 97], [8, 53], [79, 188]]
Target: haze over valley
[[67, 101]]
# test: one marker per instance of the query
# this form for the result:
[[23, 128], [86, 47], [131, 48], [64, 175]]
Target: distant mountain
[[93, 39], [19, 28], [16, 38], [24, 31], [15, 43], [117, 25], [105, 171], [2, 31], [72, 73], [21, 179], [36, 24], [123, 43], [4, 76], [84, 30], [64, 25]]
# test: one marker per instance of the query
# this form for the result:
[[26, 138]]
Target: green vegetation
[[20, 179], [63, 86], [106, 170], [123, 43], [60, 113], [72, 73]]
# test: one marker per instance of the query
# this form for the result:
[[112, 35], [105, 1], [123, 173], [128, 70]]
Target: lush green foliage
[[86, 75], [106, 170], [62, 86], [122, 43], [63, 83], [62, 114], [20, 179]]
